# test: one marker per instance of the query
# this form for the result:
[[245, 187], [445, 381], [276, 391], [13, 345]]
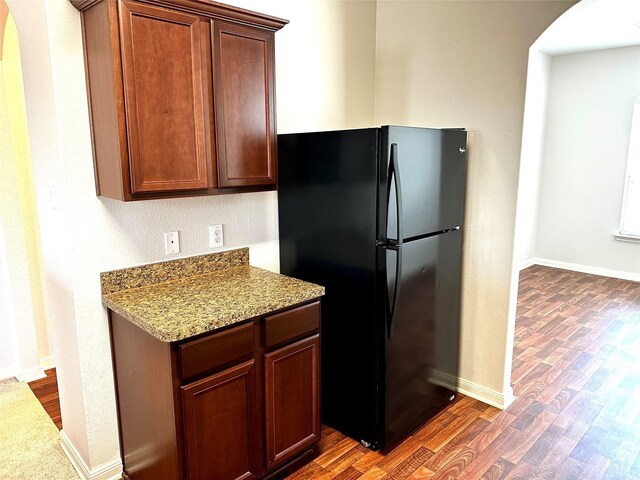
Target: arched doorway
[[24, 339], [596, 35]]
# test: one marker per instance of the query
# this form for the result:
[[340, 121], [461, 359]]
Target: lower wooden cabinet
[[240, 403], [220, 425], [292, 399]]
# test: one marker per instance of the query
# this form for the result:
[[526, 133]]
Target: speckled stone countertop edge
[[170, 270], [164, 337], [186, 307], [124, 313]]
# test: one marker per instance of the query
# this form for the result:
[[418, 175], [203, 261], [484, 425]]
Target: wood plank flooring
[[46, 391], [576, 375]]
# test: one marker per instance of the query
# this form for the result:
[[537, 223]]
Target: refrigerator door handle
[[394, 171], [391, 308]]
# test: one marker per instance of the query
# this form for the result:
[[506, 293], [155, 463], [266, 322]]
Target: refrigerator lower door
[[422, 338]]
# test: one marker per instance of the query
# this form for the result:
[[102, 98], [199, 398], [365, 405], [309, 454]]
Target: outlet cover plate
[[216, 236]]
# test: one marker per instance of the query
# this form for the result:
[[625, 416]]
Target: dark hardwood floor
[[46, 391], [576, 375], [577, 378]]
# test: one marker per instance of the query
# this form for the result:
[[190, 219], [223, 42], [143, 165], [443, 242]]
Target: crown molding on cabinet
[[205, 7]]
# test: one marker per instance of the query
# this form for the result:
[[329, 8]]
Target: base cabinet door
[[291, 397], [221, 439]]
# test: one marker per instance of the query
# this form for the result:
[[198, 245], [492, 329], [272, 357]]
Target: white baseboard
[[528, 263], [47, 362], [486, 395], [576, 267], [444, 379], [31, 374], [108, 471]]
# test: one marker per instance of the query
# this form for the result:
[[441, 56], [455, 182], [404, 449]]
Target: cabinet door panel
[[244, 105], [292, 410], [163, 85], [220, 432]]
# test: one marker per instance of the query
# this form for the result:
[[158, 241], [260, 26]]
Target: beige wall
[[325, 62], [585, 151], [463, 64]]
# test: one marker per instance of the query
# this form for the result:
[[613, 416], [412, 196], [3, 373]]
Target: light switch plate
[[171, 243]]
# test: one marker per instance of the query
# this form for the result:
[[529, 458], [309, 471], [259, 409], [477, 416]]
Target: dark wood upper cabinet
[[181, 97], [244, 105], [163, 86]]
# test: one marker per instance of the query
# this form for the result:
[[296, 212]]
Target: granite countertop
[[200, 294]]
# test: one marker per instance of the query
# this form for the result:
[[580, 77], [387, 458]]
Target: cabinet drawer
[[215, 350], [292, 324]]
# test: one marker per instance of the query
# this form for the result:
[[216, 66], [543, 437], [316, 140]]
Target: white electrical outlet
[[171, 243], [216, 236]]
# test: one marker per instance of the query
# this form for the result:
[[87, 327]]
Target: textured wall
[[463, 64], [587, 136], [325, 63]]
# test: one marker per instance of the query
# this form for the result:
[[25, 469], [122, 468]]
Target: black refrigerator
[[375, 215]]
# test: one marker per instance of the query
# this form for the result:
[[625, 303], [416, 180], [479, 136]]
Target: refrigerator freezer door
[[421, 361], [431, 167]]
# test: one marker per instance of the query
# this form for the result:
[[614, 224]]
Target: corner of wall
[[108, 471], [531, 155]]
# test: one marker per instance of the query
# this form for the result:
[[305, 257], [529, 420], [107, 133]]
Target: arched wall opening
[[591, 31]]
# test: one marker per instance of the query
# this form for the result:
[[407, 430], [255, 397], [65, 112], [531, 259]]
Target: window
[[630, 216]]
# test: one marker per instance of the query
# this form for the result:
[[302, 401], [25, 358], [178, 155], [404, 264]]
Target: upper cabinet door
[[163, 92], [244, 96]]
